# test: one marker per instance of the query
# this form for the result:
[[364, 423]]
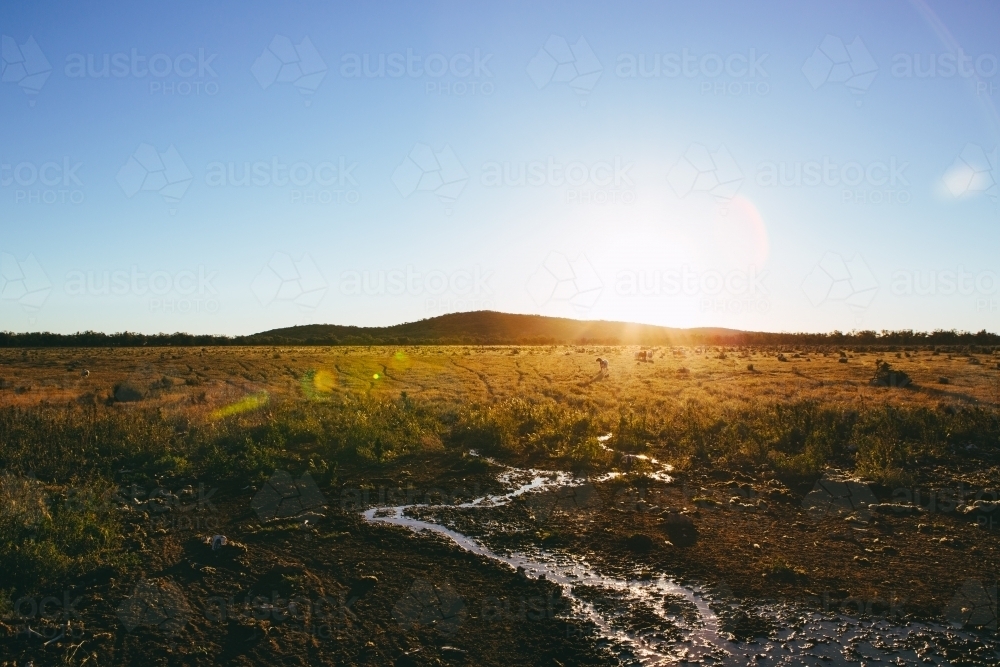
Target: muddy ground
[[329, 588]]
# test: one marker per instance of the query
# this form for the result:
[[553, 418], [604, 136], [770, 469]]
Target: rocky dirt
[[327, 587]]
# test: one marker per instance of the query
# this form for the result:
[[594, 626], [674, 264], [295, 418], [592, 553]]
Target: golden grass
[[209, 380]]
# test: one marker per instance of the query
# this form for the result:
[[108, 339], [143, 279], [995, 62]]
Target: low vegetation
[[62, 462]]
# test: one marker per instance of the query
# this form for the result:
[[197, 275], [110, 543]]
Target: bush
[[885, 376]]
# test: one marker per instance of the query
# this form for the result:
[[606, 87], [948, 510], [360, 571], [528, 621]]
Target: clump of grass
[[779, 569], [379, 430], [634, 429], [521, 428], [57, 444], [46, 538]]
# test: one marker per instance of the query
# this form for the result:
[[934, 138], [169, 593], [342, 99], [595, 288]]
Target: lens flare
[[318, 383], [251, 402], [324, 381], [737, 237], [400, 361]]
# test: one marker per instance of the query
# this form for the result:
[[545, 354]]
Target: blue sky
[[233, 168]]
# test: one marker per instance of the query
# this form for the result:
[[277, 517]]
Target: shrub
[[885, 376]]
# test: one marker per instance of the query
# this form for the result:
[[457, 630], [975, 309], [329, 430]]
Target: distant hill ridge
[[486, 327], [491, 327]]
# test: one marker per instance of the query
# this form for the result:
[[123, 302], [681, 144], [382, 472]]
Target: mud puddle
[[654, 620]]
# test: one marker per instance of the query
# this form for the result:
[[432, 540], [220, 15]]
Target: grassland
[[453, 375], [88, 435]]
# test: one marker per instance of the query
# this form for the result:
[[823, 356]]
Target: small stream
[[656, 621]]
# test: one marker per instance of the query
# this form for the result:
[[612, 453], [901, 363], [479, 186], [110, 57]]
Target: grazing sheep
[[85, 373], [604, 365]]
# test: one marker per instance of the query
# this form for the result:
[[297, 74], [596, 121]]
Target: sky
[[229, 168]]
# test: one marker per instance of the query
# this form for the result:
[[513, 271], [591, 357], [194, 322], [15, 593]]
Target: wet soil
[[329, 587]]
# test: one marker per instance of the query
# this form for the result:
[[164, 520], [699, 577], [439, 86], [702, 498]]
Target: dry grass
[[196, 381], [236, 414]]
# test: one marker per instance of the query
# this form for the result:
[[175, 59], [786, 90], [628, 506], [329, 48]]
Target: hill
[[490, 327], [493, 328]]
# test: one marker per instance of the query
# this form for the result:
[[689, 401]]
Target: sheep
[[629, 460]]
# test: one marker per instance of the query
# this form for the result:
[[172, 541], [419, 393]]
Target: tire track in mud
[[481, 376]]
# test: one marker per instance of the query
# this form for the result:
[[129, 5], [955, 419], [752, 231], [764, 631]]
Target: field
[[765, 479]]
